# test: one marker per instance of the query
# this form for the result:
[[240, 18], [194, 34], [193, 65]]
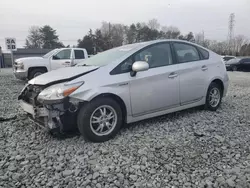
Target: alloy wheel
[[103, 120], [214, 97]]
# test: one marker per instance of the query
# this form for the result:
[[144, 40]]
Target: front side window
[[49, 54], [186, 53], [64, 54], [157, 56], [79, 54]]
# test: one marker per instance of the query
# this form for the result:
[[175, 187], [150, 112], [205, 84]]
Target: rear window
[[227, 58], [244, 60], [79, 54], [204, 53]]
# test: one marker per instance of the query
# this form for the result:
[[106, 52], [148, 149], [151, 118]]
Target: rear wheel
[[100, 120], [36, 72], [214, 97]]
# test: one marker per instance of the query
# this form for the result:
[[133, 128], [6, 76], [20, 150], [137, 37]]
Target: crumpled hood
[[27, 58], [62, 75]]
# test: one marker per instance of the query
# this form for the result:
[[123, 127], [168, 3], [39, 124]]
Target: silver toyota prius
[[124, 85]]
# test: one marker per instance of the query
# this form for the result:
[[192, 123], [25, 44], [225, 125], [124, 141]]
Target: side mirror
[[139, 66], [54, 57]]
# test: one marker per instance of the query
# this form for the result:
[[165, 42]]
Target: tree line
[[43, 37], [111, 35]]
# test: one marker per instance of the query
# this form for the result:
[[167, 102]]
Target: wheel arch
[[118, 100], [33, 68], [219, 82]]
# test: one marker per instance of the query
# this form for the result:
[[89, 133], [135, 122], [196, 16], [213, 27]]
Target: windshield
[[50, 53], [106, 57], [232, 61]]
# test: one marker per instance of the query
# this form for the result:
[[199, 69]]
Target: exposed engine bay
[[59, 116]]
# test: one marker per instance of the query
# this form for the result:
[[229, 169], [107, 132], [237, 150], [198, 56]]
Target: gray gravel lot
[[192, 148]]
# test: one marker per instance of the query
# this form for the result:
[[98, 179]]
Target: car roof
[[142, 44], [71, 48]]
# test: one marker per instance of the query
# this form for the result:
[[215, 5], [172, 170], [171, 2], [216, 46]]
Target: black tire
[[234, 68], [208, 106], [84, 115], [34, 72]]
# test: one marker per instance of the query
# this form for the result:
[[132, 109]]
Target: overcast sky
[[73, 18]]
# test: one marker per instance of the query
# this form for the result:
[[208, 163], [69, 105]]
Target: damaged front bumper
[[60, 116]]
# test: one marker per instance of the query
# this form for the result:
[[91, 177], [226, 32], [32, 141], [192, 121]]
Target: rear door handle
[[204, 68], [172, 75], [67, 62]]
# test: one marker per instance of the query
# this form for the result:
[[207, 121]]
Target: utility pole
[[110, 36], [231, 24], [203, 38]]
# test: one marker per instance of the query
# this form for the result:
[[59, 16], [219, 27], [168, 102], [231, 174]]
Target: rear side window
[[204, 53], [186, 52], [79, 54], [245, 60]]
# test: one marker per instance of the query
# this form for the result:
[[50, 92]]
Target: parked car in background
[[124, 85], [238, 64], [227, 58], [31, 67]]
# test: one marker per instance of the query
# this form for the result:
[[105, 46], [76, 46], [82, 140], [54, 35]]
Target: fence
[[22, 52]]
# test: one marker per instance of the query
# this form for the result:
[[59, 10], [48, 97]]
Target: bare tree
[[200, 38], [171, 32], [154, 24], [114, 33], [34, 39], [238, 42]]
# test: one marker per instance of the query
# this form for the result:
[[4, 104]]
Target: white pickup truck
[[30, 67]]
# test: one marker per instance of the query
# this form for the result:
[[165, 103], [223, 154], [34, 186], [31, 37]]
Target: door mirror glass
[[139, 66]]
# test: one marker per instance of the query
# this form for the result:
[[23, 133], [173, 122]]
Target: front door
[[193, 73], [156, 89], [61, 59]]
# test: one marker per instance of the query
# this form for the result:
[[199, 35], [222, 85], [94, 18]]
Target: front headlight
[[58, 92], [20, 65]]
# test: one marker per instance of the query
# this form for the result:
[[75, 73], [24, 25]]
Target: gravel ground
[[192, 148]]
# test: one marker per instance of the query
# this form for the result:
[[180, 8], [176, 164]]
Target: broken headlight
[[56, 93]]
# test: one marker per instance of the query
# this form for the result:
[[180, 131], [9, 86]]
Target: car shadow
[[159, 119], [163, 118]]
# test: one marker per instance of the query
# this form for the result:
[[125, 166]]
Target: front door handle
[[204, 68], [172, 75], [67, 62]]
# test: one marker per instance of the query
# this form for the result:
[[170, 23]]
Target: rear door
[[78, 56], [193, 72], [61, 59]]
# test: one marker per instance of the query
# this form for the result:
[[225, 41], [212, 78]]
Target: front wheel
[[214, 97], [234, 68], [100, 119], [36, 72]]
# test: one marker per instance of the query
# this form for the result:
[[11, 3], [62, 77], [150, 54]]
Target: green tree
[[49, 38], [87, 42], [131, 34]]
